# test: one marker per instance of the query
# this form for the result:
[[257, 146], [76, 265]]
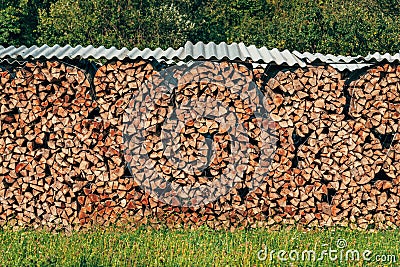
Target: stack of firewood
[[198, 144], [202, 142], [336, 161], [42, 101], [109, 193], [306, 99], [376, 98], [343, 172]]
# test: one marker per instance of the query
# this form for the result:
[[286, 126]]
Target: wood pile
[[306, 99], [39, 102], [346, 152], [111, 191], [175, 165], [338, 161], [376, 98], [198, 145], [115, 84]]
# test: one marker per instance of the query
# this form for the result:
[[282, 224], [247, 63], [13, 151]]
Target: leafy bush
[[113, 23], [334, 26]]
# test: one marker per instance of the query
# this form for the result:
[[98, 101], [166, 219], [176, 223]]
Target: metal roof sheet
[[350, 67], [200, 50], [62, 52], [238, 51], [320, 58], [349, 62], [377, 57]]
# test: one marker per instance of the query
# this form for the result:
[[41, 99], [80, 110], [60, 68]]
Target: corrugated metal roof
[[350, 63], [376, 57], [238, 51], [234, 51], [320, 58], [347, 62], [200, 50], [350, 67], [10, 61], [62, 52]]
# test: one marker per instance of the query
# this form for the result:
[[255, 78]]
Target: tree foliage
[[334, 26], [127, 23], [19, 20]]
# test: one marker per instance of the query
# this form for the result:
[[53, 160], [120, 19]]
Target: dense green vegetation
[[203, 247], [325, 26]]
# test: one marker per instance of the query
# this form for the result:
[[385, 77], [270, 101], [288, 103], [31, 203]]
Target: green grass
[[201, 247]]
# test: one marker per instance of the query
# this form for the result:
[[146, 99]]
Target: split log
[[259, 76]]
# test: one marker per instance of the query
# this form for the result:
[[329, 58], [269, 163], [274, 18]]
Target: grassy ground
[[202, 247]]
